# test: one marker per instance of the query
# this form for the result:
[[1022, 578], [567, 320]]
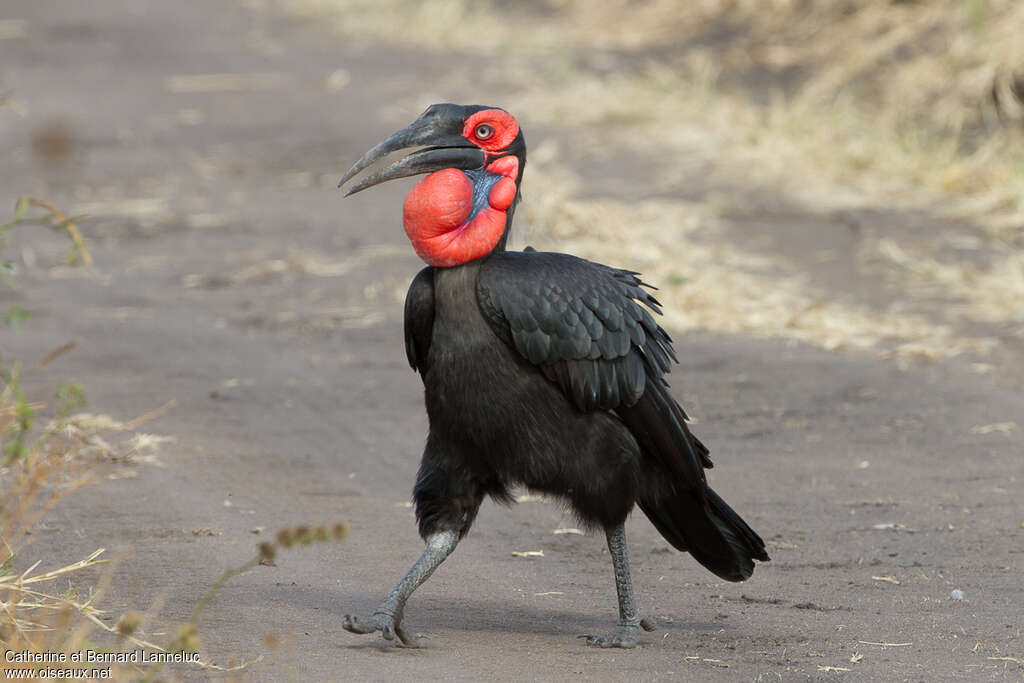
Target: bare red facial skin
[[504, 191], [504, 127], [506, 166], [436, 213], [436, 218]]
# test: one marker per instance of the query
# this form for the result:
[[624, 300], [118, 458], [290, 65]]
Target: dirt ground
[[233, 279]]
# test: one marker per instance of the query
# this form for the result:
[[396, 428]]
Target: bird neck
[[453, 216]]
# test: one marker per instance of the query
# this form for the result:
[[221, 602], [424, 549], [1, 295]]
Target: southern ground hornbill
[[540, 369]]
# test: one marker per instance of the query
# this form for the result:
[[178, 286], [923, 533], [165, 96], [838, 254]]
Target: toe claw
[[389, 625], [408, 639], [622, 637], [353, 624]]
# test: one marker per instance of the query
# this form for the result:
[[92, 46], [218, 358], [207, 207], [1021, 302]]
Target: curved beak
[[439, 128]]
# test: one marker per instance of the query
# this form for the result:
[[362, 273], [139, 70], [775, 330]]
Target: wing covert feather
[[587, 326], [589, 329]]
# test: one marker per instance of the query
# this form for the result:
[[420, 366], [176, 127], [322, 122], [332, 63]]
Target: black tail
[[675, 495], [710, 530]]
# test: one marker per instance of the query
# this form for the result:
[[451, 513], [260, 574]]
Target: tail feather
[[710, 530], [675, 495]]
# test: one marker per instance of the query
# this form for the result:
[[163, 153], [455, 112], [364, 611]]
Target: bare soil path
[[233, 280]]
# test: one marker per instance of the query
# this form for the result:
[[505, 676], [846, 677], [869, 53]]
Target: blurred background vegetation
[[815, 106], [687, 139], [883, 95]]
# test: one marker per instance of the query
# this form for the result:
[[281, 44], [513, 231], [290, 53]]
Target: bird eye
[[483, 131]]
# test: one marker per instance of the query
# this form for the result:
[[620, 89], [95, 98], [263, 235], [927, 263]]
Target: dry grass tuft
[[39, 471], [39, 468], [989, 294]]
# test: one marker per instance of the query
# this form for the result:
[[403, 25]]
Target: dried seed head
[[339, 530], [187, 639], [302, 535], [285, 538], [267, 553], [320, 534], [128, 624]]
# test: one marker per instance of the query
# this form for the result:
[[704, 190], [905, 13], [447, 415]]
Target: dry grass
[[992, 294], [36, 616], [922, 93], [44, 616], [52, 217], [828, 104], [707, 283], [39, 469]]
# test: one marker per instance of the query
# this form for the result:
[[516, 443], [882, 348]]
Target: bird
[[541, 370]]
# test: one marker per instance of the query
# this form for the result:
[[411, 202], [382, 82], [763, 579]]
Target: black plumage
[[574, 342], [548, 371]]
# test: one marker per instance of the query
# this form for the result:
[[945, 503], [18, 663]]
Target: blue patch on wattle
[[483, 182]]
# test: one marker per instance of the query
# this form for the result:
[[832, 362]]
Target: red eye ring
[[483, 131], [502, 133]]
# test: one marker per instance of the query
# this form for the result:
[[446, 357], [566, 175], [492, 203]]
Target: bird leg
[[630, 621], [387, 618]]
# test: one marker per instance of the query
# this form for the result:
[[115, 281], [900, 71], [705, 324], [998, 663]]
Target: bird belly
[[498, 417]]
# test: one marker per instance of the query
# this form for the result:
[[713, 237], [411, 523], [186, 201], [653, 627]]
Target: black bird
[[540, 369]]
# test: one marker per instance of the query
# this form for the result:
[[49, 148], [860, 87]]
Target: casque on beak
[[439, 129]]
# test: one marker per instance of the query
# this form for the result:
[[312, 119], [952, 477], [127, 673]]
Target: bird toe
[[623, 637], [387, 624], [354, 624]]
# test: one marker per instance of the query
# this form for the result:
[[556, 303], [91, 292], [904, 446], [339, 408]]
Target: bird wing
[[589, 328], [419, 319]]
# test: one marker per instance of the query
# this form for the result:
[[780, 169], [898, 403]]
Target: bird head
[[474, 156]]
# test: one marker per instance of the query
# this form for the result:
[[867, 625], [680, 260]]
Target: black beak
[[439, 128]]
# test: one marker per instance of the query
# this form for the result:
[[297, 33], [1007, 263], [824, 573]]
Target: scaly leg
[[387, 618], [630, 621]]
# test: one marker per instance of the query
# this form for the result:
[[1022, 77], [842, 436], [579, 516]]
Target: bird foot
[[624, 635], [389, 625]]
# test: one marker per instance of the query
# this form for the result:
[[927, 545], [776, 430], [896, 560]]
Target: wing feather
[[419, 319], [592, 321], [589, 329]]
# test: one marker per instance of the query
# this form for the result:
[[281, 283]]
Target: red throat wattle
[[436, 214]]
